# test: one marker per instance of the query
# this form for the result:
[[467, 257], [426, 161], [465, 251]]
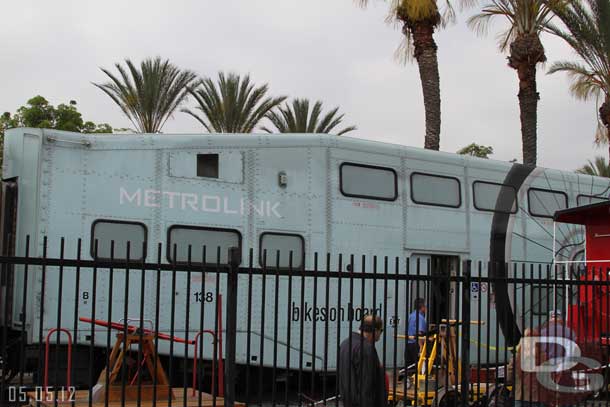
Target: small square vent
[[207, 165]]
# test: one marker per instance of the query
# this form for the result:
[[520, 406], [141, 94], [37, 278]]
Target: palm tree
[[587, 33], [232, 105], [599, 168], [526, 20], [148, 96], [419, 19], [298, 119]]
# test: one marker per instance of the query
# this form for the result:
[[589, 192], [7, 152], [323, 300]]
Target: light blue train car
[[300, 193]]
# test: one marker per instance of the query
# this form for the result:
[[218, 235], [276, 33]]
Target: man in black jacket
[[361, 376]]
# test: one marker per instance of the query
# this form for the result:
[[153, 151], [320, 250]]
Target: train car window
[[582, 200], [367, 181], [544, 202], [216, 242], [493, 197], [543, 301], [104, 232], [436, 190], [207, 165], [284, 243]]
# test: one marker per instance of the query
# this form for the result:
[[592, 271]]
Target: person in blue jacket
[[417, 327]]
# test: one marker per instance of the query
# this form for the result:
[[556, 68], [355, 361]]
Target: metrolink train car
[[301, 193]]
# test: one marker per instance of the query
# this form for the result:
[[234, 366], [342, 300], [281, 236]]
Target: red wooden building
[[589, 311]]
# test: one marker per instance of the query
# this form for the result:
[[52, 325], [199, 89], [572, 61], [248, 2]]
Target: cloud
[[328, 50]]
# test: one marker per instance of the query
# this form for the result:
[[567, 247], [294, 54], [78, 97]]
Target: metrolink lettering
[[151, 198], [309, 313]]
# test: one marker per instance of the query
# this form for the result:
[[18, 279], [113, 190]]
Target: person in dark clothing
[[361, 376]]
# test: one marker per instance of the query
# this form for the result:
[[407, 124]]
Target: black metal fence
[[84, 332]]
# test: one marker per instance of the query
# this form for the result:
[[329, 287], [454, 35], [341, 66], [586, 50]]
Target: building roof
[[584, 215]]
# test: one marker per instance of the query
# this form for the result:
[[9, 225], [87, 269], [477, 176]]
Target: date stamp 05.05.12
[[23, 394]]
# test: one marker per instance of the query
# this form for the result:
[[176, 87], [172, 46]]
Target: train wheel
[[447, 398]]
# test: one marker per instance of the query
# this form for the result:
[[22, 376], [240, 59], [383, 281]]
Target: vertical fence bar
[[314, 332], [92, 326], [361, 336], [76, 295], [109, 329], [479, 323], [22, 316], [339, 270], [125, 322], [326, 305], [405, 379], [395, 329], [172, 325], [187, 310], [466, 332], [288, 327], [62, 246], [216, 383], [199, 366], [249, 324], [302, 333], [350, 319], [261, 349], [141, 322], [158, 299], [231, 326], [275, 327], [385, 311]]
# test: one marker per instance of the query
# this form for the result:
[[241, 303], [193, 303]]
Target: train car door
[[432, 283]]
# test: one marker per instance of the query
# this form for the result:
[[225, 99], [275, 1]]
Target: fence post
[[465, 334], [231, 326]]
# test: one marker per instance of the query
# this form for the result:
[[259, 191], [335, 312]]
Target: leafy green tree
[[526, 20], [299, 119], [587, 31], [599, 167], [39, 113], [232, 104], [148, 96], [476, 150]]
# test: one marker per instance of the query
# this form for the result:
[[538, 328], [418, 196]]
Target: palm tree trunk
[[525, 52], [528, 106], [604, 115], [427, 61]]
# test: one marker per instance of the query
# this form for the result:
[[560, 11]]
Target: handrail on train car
[[218, 356], [46, 357]]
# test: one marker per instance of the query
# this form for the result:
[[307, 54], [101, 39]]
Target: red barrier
[[46, 357], [218, 340]]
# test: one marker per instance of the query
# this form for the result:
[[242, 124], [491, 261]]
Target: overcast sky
[[330, 50]]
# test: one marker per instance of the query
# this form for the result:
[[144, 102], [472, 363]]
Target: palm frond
[[298, 118], [598, 167], [522, 17], [149, 94], [587, 31], [231, 104]]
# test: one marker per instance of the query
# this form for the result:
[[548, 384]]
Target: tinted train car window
[[367, 181], [544, 202], [582, 200], [493, 197], [104, 232], [435, 190], [542, 299], [284, 243], [214, 240]]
